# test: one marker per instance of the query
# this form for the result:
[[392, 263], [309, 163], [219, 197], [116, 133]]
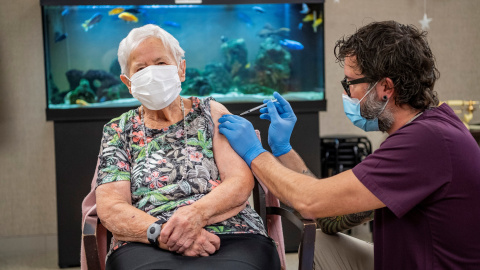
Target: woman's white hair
[[137, 35]]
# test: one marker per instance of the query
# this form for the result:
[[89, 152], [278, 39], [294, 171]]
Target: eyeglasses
[[346, 84]]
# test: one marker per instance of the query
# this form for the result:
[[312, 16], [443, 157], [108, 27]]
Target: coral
[[82, 92], [272, 66], [235, 56], [256, 89], [197, 86], [218, 77]]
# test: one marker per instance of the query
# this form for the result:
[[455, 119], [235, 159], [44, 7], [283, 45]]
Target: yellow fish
[[308, 18], [128, 17], [115, 11], [82, 102], [317, 22]]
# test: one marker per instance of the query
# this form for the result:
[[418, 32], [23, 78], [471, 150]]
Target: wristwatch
[[153, 232]]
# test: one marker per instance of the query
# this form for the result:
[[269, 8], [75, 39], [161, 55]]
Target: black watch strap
[[153, 232]]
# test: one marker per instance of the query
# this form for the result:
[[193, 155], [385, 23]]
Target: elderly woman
[[170, 188]]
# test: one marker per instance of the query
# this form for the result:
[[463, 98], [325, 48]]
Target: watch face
[[153, 232]]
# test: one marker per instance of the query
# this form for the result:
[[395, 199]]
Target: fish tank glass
[[239, 52]]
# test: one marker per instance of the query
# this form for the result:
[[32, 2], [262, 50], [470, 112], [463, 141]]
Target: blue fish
[[258, 9], [291, 44], [96, 18], [305, 9], [59, 36], [245, 18], [223, 39], [65, 11], [300, 26], [172, 24]]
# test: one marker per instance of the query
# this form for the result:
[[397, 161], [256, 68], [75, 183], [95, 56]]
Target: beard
[[375, 108]]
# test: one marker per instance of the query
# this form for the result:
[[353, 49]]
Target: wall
[[27, 161], [27, 172]]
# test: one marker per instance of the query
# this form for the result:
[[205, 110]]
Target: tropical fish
[[245, 18], [82, 102], [223, 39], [305, 9], [172, 24], [59, 36], [96, 18], [258, 9], [291, 44], [65, 11], [248, 65], [308, 18], [115, 11], [268, 31], [128, 17], [300, 26], [317, 22]]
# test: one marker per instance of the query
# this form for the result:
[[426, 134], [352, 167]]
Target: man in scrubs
[[424, 180]]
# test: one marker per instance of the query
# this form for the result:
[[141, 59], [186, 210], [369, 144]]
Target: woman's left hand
[[182, 229], [205, 245]]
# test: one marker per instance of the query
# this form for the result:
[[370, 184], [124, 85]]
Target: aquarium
[[239, 52]]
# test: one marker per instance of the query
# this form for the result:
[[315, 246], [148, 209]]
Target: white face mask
[[156, 87]]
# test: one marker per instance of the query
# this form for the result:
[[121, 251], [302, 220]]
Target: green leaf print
[[142, 202], [141, 191], [166, 207], [115, 141], [113, 174], [218, 229], [205, 144]]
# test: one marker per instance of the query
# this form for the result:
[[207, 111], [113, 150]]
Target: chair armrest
[[90, 231], [307, 238]]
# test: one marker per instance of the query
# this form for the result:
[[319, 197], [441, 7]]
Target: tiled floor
[[40, 252]]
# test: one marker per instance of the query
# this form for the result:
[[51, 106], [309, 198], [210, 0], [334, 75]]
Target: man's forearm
[[287, 185], [294, 162], [332, 225]]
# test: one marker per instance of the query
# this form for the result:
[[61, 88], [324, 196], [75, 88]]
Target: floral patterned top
[[178, 174]]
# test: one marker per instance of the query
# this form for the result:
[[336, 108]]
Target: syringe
[[257, 108]]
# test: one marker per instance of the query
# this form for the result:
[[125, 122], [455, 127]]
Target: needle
[[257, 108]]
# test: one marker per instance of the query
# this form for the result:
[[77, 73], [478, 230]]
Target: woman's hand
[[182, 229], [205, 245]]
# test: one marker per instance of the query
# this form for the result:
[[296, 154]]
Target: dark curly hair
[[400, 52]]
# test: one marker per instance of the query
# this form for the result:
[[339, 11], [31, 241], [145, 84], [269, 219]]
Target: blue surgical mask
[[351, 106]]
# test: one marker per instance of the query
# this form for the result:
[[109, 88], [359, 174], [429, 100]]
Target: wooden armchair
[[95, 236]]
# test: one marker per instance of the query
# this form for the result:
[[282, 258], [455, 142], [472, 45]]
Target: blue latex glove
[[241, 136], [282, 119]]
